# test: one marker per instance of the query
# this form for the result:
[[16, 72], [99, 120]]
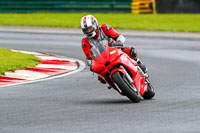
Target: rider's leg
[[142, 66], [131, 52]]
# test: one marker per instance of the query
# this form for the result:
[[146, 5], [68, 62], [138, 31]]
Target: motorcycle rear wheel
[[126, 87], [151, 92]]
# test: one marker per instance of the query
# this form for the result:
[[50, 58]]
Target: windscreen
[[98, 48]]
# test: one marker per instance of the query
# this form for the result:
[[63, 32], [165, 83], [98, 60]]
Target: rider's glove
[[120, 41], [89, 63], [119, 44]]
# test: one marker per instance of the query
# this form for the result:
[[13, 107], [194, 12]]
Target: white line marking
[[57, 66], [26, 52], [25, 74]]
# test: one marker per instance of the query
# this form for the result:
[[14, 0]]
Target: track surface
[[78, 103]]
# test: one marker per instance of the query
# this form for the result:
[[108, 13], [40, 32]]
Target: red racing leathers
[[108, 32]]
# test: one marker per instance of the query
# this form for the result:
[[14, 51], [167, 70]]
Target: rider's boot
[[132, 52], [142, 66], [101, 80]]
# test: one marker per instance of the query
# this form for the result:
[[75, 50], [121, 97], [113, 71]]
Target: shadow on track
[[108, 101]]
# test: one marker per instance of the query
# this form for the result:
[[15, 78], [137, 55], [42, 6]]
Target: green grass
[[10, 61], [160, 22]]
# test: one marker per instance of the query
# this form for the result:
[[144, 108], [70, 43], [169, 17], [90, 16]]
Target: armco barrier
[[29, 6]]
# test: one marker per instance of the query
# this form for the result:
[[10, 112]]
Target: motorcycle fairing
[[107, 60]]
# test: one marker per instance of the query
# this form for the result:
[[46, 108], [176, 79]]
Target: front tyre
[[128, 89]]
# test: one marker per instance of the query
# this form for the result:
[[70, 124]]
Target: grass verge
[[160, 22], [10, 61]]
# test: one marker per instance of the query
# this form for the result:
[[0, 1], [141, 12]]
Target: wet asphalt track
[[78, 103]]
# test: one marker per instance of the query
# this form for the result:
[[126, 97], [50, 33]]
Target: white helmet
[[89, 26]]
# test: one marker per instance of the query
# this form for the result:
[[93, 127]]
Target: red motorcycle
[[120, 71]]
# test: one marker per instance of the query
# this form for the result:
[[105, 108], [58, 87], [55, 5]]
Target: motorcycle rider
[[94, 32]]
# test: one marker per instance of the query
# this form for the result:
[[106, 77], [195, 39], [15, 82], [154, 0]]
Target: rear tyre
[[128, 89], [150, 93]]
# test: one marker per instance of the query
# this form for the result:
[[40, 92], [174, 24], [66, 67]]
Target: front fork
[[127, 76]]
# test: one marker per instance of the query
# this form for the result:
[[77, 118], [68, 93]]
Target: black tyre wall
[[125, 88]]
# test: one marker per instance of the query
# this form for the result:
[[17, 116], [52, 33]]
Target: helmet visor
[[88, 30]]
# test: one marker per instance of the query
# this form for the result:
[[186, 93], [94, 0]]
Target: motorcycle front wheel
[[127, 88]]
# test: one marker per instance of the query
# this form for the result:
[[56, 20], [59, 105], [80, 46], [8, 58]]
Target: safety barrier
[[25, 6], [178, 6], [142, 6]]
